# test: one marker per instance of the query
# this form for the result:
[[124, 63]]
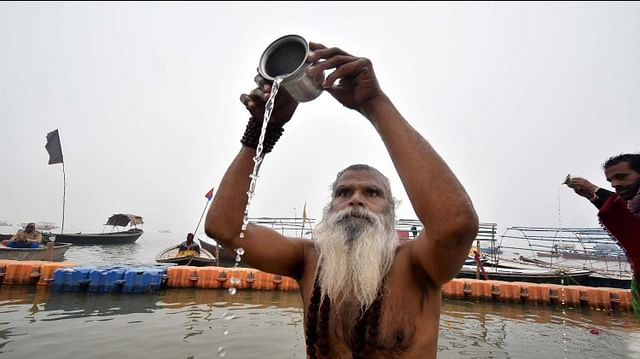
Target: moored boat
[[114, 237], [35, 254], [531, 275], [170, 255]]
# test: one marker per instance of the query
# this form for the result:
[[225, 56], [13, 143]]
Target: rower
[[188, 247]]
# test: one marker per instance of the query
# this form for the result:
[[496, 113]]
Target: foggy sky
[[514, 96]]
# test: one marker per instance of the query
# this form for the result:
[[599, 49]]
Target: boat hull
[[79, 239], [34, 254], [168, 255], [530, 276]]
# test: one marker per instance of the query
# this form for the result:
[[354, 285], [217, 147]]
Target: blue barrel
[[61, 278], [143, 279], [105, 279], [114, 280], [73, 279]]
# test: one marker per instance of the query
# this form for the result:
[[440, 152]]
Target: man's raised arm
[[439, 200], [264, 248]]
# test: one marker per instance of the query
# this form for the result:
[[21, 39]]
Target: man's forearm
[[601, 196], [224, 219], [437, 196]]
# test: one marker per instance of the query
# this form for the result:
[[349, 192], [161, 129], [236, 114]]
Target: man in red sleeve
[[619, 212]]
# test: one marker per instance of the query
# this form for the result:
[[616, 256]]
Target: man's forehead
[[359, 177], [622, 167]]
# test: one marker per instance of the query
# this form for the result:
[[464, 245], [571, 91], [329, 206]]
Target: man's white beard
[[357, 249]]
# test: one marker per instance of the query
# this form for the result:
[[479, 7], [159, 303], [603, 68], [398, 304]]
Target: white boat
[[34, 254]]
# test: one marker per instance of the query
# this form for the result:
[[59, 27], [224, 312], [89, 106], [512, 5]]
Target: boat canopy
[[123, 220]]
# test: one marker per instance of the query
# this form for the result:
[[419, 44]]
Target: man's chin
[[627, 194]]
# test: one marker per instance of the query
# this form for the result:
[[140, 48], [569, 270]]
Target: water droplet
[[226, 332], [222, 351], [244, 227], [241, 235], [235, 281], [238, 258], [240, 251], [228, 316], [232, 290]]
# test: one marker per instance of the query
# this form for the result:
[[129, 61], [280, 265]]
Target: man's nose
[[356, 200], [616, 183]]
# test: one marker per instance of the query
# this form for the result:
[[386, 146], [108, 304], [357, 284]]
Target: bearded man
[[619, 212], [364, 295]]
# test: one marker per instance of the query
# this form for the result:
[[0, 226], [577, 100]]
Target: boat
[[568, 249], [531, 275], [34, 254], [114, 237], [169, 255]]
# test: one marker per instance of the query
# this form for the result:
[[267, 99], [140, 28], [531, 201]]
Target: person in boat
[[28, 237], [619, 211], [188, 247], [364, 295]]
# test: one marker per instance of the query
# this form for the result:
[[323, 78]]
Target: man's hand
[[256, 100], [358, 83], [583, 187]]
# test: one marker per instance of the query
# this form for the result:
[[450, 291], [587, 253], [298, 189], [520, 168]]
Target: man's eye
[[343, 193], [372, 193]]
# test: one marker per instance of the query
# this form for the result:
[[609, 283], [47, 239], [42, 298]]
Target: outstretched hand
[[356, 82], [256, 100], [582, 187]]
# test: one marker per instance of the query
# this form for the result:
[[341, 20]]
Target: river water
[[196, 323]]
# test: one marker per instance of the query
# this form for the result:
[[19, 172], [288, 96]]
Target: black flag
[[53, 147]]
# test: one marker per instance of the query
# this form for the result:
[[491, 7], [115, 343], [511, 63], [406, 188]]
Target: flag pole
[[208, 196], [64, 195], [54, 148], [202, 215]]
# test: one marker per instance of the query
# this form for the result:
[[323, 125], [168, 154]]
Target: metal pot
[[286, 58]]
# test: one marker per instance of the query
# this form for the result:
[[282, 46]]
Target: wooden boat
[[531, 275], [114, 237], [169, 255], [34, 254]]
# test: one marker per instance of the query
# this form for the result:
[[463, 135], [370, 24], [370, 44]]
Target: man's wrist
[[594, 195], [252, 133]]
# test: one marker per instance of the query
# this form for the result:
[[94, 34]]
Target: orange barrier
[[22, 272], [3, 268], [220, 277], [210, 277], [532, 293], [181, 276]]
